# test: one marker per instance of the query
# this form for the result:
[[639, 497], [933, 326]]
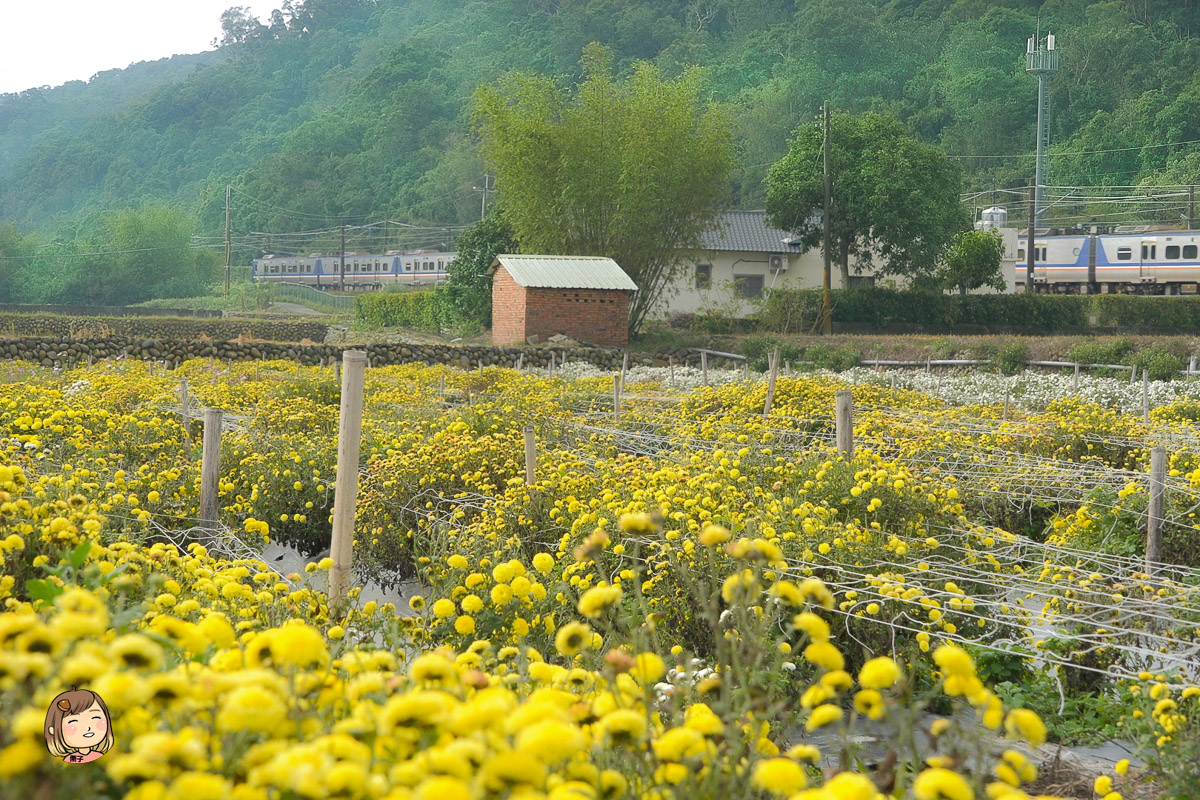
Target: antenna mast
[[1041, 59]]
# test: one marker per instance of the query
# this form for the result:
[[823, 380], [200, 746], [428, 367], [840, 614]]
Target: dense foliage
[[116, 258], [465, 299], [337, 108], [634, 171], [894, 200], [798, 311]]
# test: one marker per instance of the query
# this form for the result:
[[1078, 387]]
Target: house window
[[1021, 254], [703, 276], [748, 286], [1189, 251], [861, 282], [1124, 254], [1172, 252]]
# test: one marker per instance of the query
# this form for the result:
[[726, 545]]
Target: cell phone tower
[[1041, 59]]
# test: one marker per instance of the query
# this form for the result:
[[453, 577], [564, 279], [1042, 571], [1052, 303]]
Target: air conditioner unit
[[777, 262]]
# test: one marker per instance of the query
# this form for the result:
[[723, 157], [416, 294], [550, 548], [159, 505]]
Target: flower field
[[690, 600]]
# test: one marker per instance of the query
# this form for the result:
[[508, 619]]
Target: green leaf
[[43, 590], [114, 573], [79, 554]]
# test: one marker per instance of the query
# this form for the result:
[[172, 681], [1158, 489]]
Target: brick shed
[[584, 297]]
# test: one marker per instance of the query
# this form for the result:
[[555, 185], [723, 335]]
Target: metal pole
[[1146, 396], [530, 456], [1154, 511], [1029, 239], [210, 467], [228, 242], [345, 497], [187, 433], [827, 294], [844, 426]]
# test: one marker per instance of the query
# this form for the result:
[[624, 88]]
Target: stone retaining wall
[[65, 351], [84, 328]]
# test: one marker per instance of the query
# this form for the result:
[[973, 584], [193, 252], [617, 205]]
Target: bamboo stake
[[771, 381], [345, 497], [1154, 511], [530, 456], [210, 467]]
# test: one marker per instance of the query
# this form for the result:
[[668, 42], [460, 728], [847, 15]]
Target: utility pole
[[342, 275], [1041, 61], [228, 244], [827, 297], [1029, 239], [484, 191]]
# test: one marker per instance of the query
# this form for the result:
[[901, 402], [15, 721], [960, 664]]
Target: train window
[[1189, 251], [1124, 254], [1075, 251], [1148, 252], [1172, 252], [408, 266]]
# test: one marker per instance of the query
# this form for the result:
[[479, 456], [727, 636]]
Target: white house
[[743, 258]]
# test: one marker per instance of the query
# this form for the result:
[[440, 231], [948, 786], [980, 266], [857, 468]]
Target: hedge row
[[797, 311], [160, 328], [416, 310]]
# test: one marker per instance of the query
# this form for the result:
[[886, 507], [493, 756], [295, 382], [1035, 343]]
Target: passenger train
[[363, 271], [1142, 261]]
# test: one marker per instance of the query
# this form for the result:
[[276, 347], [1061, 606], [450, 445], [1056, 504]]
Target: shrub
[[1159, 361], [407, 310], [1012, 357]]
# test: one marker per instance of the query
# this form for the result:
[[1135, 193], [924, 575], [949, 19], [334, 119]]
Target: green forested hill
[[355, 108]]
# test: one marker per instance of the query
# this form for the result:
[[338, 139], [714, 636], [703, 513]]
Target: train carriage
[[362, 271], [1142, 262]]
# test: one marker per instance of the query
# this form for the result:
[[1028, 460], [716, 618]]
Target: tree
[[972, 261], [895, 201], [635, 170], [466, 297]]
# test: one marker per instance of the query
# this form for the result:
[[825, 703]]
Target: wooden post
[[258, 370], [481, 367], [89, 359], [1076, 384], [624, 368], [187, 420], [337, 366], [551, 362], [746, 369], [441, 385], [1132, 374], [345, 497], [530, 456], [520, 361], [844, 423], [1154, 511], [1007, 395], [928, 366], [704, 368], [787, 368], [771, 381], [229, 363], [1146, 396], [670, 362], [616, 399], [1191, 367], [210, 467]]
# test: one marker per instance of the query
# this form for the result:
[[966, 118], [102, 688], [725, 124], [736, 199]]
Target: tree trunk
[[844, 264]]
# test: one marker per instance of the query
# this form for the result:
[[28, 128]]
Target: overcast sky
[[50, 42]]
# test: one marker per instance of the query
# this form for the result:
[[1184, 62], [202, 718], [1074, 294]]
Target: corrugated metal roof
[[564, 272], [747, 231]]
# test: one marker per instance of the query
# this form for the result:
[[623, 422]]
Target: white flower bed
[[1032, 390]]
